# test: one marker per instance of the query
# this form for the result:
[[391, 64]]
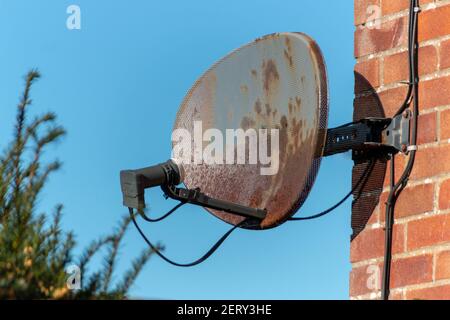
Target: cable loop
[[191, 264]]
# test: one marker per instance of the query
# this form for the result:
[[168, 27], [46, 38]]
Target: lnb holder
[[168, 175], [134, 182]]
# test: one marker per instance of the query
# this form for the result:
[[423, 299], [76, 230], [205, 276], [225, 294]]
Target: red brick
[[359, 278], [370, 70], [369, 243], [444, 53], [407, 203], [422, 2], [396, 295], [393, 6], [444, 195], [431, 162], [392, 99], [445, 124], [411, 270], [362, 14], [396, 66], [434, 93], [434, 23], [375, 216], [443, 265], [391, 34], [433, 293], [427, 132], [400, 161], [428, 231]]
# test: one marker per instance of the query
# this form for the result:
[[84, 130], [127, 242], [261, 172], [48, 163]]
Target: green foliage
[[34, 251]]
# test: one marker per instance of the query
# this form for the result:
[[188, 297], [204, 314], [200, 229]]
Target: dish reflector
[[276, 82]]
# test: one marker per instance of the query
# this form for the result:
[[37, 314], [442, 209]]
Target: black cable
[[146, 218], [364, 176], [389, 220], [411, 31], [228, 233], [202, 259], [398, 187]]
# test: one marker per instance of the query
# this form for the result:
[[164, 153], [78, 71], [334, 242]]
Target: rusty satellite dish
[[276, 84], [278, 81]]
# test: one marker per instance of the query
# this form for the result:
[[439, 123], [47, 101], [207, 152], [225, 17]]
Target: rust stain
[[284, 122], [289, 58], [271, 75], [247, 123], [258, 107], [268, 109], [314, 49], [290, 106], [288, 52], [298, 103], [297, 131], [287, 41]]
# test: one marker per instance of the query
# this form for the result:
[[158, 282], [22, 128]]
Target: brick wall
[[421, 248]]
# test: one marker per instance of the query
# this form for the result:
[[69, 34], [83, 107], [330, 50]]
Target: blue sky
[[116, 85]]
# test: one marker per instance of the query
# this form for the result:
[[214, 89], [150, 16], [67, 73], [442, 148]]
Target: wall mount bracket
[[389, 135]]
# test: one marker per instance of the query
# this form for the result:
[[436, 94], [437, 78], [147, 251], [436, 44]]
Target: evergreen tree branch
[[136, 267], [34, 254], [110, 260]]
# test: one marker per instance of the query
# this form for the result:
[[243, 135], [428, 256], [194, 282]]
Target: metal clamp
[[397, 134]]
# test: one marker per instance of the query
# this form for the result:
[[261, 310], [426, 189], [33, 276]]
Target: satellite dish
[[277, 86], [275, 82]]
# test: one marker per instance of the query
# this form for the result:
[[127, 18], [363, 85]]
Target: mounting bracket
[[195, 196], [391, 134]]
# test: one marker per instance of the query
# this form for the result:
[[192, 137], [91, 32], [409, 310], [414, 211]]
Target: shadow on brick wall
[[367, 196]]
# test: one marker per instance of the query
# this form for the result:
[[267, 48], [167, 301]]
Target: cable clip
[[412, 148], [417, 9]]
